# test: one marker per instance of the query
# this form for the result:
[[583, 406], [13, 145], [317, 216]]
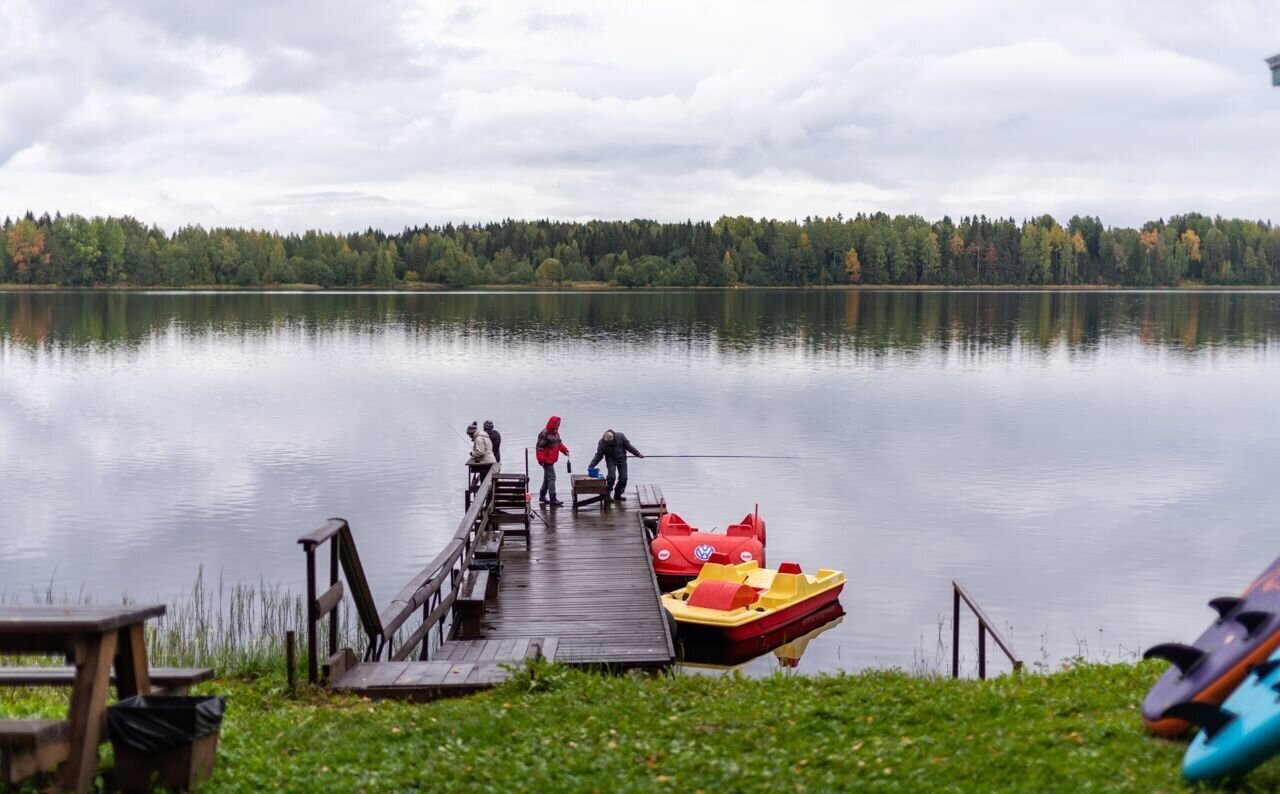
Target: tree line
[[71, 250]]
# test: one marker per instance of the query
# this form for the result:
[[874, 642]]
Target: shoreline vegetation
[[875, 250], [600, 286]]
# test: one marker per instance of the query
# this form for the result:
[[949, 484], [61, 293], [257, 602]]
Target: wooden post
[[333, 580], [313, 667], [291, 660], [955, 632], [982, 651], [423, 655]]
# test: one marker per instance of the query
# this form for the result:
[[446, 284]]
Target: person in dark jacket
[[547, 452], [613, 449], [495, 438]]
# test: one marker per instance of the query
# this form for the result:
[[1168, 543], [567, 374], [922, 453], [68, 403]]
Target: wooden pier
[[572, 586]]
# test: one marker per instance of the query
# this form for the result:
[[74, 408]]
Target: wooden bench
[[28, 747], [652, 503], [469, 605], [489, 545], [164, 680], [589, 490]]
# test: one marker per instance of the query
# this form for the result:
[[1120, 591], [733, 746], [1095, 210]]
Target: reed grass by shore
[[237, 629]]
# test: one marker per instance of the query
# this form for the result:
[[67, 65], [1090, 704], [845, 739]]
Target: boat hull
[[721, 654], [766, 623]]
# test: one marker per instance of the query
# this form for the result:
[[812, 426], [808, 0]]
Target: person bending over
[[613, 449], [481, 458]]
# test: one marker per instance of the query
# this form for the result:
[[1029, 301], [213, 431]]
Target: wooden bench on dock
[[29, 747], [488, 548], [651, 501], [589, 490], [469, 604]]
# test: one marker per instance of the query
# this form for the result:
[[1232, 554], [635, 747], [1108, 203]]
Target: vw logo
[[704, 551]]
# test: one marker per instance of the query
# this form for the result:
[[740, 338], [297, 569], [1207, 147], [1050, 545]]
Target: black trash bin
[[169, 741]]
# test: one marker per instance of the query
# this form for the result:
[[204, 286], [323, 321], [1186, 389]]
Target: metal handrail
[[984, 626]]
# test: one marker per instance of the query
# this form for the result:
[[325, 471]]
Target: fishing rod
[[752, 457], [459, 435]]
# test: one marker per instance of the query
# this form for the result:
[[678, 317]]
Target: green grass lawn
[[561, 730]]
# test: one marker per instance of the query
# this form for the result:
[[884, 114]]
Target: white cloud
[[423, 111]]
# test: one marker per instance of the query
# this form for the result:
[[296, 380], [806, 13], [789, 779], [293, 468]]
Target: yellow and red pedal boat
[[736, 602]]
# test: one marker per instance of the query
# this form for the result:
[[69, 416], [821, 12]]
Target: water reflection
[[1093, 466], [780, 648], [738, 321]]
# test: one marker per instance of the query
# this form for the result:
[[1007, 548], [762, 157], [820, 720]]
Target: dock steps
[[459, 667]]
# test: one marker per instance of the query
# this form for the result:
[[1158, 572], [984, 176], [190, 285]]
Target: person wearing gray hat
[[481, 458], [495, 438], [613, 448]]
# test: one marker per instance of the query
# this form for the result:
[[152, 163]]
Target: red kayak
[[679, 551]]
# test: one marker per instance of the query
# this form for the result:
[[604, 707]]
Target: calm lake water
[[1093, 466]]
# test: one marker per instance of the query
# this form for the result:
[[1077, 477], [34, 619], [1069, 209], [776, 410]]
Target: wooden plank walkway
[[580, 591], [459, 667], [587, 579]]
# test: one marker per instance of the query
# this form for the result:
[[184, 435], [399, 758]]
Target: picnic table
[[94, 638]]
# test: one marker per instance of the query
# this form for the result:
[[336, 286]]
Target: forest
[[75, 251]]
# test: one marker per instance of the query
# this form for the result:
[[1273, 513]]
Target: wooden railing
[[984, 627], [342, 554], [426, 590]]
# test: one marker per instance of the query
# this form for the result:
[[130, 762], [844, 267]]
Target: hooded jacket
[[549, 445], [615, 450], [481, 449], [496, 438]]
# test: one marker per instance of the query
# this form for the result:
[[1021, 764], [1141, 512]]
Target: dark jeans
[[617, 471], [548, 482], [478, 472]]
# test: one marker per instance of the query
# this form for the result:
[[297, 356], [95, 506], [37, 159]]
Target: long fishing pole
[[752, 457], [459, 435]]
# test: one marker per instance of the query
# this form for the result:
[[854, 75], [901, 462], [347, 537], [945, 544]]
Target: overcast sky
[[321, 114]]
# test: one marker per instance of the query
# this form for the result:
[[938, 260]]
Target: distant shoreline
[[596, 286]]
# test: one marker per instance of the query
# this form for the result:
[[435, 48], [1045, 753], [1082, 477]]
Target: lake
[[1093, 466]]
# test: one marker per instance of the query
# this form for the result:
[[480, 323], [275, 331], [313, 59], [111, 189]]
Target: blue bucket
[[594, 471]]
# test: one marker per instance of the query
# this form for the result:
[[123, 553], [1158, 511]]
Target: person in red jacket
[[548, 452]]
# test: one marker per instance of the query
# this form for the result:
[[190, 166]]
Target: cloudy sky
[[294, 115]]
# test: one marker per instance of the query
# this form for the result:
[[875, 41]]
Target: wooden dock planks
[[459, 667], [582, 592], [585, 578]]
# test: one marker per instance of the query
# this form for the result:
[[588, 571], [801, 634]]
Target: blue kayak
[[1241, 733]]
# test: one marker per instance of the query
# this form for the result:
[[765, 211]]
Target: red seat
[[723, 596], [672, 524]]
